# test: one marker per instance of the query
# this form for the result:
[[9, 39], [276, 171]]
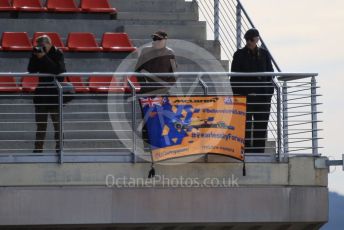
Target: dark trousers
[[257, 119], [42, 112], [257, 115]]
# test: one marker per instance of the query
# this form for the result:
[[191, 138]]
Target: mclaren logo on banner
[[184, 126]]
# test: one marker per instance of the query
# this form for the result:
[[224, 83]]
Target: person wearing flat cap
[[157, 58], [258, 90]]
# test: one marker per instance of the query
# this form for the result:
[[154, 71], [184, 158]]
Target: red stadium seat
[[9, 85], [62, 6], [98, 6], [5, 5], [83, 42], [29, 84], [28, 5], [135, 82], [117, 42], [105, 84], [79, 86], [55, 38], [16, 41]]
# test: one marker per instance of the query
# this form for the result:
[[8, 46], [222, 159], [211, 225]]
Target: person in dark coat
[[258, 90], [47, 59], [157, 58]]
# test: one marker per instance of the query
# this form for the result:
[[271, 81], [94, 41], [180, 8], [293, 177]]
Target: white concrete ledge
[[299, 171]]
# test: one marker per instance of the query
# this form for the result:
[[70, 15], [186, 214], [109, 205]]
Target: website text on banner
[[184, 126]]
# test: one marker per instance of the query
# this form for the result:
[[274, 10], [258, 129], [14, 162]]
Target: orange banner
[[184, 126]]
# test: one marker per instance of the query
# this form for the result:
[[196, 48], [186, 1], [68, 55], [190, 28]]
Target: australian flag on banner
[[163, 122]]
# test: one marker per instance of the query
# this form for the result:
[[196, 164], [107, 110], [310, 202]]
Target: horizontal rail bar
[[176, 74]]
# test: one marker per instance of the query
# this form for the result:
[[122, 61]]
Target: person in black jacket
[[46, 58], [258, 90]]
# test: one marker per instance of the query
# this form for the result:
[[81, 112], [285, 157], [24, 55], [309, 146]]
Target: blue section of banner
[[165, 127]]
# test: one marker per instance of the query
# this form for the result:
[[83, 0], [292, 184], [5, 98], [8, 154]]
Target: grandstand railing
[[292, 130], [227, 20]]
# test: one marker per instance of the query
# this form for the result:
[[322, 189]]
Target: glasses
[[255, 39], [156, 38]]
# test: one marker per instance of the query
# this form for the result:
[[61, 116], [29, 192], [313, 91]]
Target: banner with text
[[184, 126]]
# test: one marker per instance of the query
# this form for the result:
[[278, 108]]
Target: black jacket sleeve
[[140, 63], [56, 66], [33, 65], [269, 67], [235, 63]]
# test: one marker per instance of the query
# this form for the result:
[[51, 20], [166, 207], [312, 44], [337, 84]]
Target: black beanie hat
[[251, 33]]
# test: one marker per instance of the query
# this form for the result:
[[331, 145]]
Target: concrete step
[[137, 6], [70, 146], [19, 116], [70, 125], [160, 22], [197, 32], [185, 16], [108, 65], [73, 136], [142, 5], [213, 47], [39, 24], [98, 27], [69, 134], [191, 49]]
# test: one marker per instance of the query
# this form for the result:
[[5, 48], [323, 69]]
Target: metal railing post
[[238, 25], [60, 94], [314, 117], [285, 119], [205, 88], [217, 20], [133, 119], [279, 121]]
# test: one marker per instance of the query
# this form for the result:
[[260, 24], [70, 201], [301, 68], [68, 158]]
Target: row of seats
[[99, 84], [76, 42], [63, 6]]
